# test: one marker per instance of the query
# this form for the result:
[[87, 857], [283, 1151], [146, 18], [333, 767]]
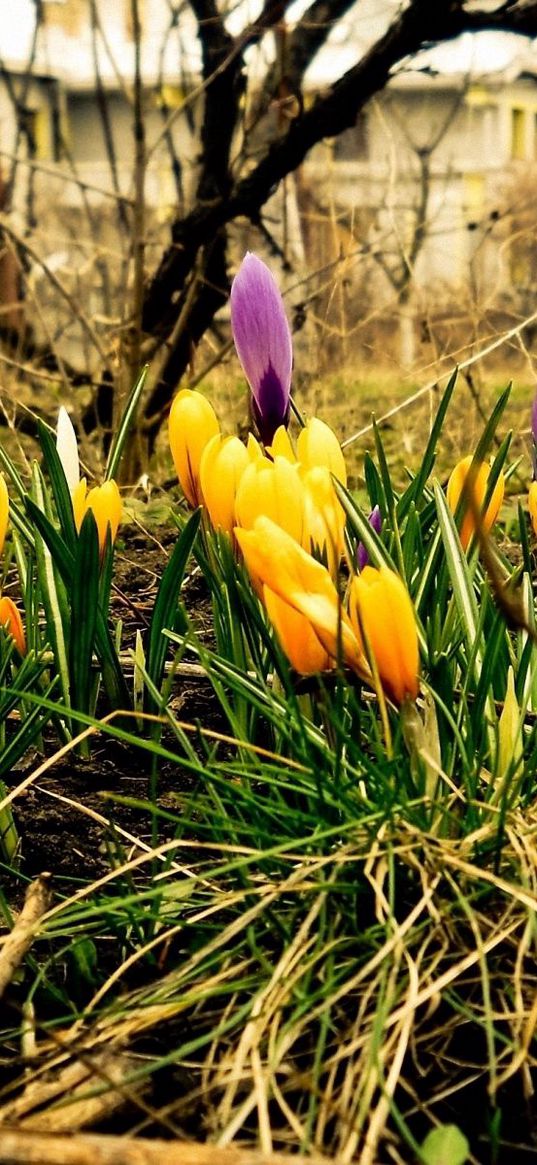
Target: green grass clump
[[323, 939]]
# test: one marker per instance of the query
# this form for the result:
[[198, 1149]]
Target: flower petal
[[263, 341], [67, 446]]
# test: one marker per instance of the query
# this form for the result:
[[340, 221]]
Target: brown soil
[[54, 813]]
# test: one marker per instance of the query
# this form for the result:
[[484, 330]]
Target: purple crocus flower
[[362, 555], [263, 341]]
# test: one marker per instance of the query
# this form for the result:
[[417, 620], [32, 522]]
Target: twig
[[432, 386], [37, 1149], [19, 940]]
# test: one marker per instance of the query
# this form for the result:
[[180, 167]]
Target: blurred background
[[380, 156]]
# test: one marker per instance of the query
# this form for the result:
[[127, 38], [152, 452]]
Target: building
[[429, 191]]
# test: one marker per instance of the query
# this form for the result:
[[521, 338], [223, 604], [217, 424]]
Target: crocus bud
[[263, 341], [273, 489], [67, 446], [191, 425], [375, 521], [380, 604], [276, 559], [11, 621], [317, 444], [297, 636], [324, 518], [222, 465], [4, 511], [105, 503], [477, 481], [281, 445], [510, 746]]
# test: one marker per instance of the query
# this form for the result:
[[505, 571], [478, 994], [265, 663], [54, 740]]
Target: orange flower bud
[[380, 604], [105, 502], [11, 621], [455, 487], [192, 423]]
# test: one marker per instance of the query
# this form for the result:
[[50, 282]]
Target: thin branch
[[432, 386], [330, 114]]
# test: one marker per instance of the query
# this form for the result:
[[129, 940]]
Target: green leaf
[[524, 541], [485, 440], [53, 591], [58, 481], [30, 727], [84, 607], [374, 485], [465, 599], [445, 1145], [459, 570], [417, 486], [62, 556], [118, 444], [364, 532], [113, 678], [164, 610]]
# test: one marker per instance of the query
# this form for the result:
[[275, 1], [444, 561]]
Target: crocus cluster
[[103, 500], [277, 501], [236, 481]]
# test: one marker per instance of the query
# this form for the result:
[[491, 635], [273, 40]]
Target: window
[[352, 145], [474, 196], [70, 15], [518, 134], [35, 128]]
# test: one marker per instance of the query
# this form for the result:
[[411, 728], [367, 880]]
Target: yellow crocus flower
[[296, 635], [324, 518], [317, 444], [455, 487], [380, 606], [222, 465], [105, 503], [275, 558], [273, 489], [191, 425], [281, 445]]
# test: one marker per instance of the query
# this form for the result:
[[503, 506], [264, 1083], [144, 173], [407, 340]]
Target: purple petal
[[362, 555], [263, 341]]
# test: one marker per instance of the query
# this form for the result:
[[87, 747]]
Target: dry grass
[[435, 1014]]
